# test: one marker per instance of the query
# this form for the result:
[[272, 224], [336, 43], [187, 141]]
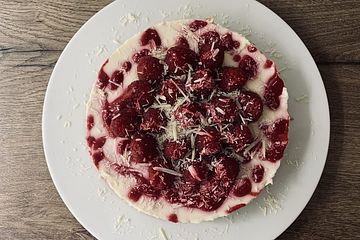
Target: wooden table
[[32, 35]]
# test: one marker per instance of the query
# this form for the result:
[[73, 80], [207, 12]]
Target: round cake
[[187, 121]]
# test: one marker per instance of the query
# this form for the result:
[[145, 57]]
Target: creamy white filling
[[169, 32]]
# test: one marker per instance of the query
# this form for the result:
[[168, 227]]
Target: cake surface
[[187, 121]]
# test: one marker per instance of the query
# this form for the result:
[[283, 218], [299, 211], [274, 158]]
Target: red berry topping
[[188, 114], [124, 123], [202, 84], [273, 90], [249, 66], [126, 66], [222, 109], [182, 42], [212, 195], [268, 63], [103, 78], [153, 120], [140, 54], [170, 90], [97, 157], [144, 188], [236, 207], [277, 131], [249, 155], [242, 187], [197, 24], [139, 94], [198, 171], [173, 218], [134, 194], [251, 48], [228, 43], [275, 152], [150, 36], [143, 148], [116, 80], [180, 60], [238, 136], [174, 150], [208, 141], [150, 69], [251, 106], [232, 79], [226, 167], [160, 180], [209, 38], [257, 173], [236, 58], [123, 145], [211, 56], [90, 122], [95, 143]]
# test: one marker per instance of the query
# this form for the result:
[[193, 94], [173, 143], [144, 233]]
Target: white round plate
[[89, 199]]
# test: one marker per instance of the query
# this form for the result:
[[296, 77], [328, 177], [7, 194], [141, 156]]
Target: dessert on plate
[[187, 121]]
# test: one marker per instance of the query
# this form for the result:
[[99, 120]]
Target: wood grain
[[32, 36]]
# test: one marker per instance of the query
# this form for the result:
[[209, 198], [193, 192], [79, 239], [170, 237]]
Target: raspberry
[[202, 84], [143, 148], [198, 171], [174, 150], [94, 143], [116, 79], [228, 43], [138, 94], [226, 167], [160, 180], [103, 78], [197, 24], [153, 120], [142, 53], [268, 63], [257, 173], [180, 60], [222, 110], [97, 157], [248, 155], [251, 48], [126, 66], [209, 38], [90, 122], [188, 114], [123, 145], [170, 90], [150, 36], [249, 66], [277, 131], [275, 152], [251, 106], [124, 123], [232, 79], [238, 136], [150, 69], [207, 142], [211, 57], [182, 42], [242, 187], [212, 195], [273, 90]]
